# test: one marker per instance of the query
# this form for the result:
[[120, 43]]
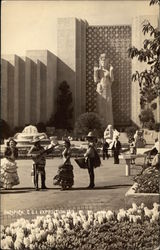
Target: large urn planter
[[147, 198]]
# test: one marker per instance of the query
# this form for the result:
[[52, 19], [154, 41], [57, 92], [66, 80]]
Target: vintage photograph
[[80, 125]]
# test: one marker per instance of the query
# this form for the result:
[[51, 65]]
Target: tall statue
[[103, 77]]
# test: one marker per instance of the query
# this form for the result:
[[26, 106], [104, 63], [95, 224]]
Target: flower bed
[[148, 181], [135, 228]]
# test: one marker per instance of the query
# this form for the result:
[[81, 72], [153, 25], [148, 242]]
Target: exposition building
[[29, 84]]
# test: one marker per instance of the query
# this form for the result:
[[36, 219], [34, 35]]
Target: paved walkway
[[111, 186]]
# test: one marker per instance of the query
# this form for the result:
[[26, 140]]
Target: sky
[[29, 25]]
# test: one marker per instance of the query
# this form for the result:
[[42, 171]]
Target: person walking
[[9, 176], [116, 147], [39, 162]]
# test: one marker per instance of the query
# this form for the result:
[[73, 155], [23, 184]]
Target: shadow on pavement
[[95, 188], [17, 190]]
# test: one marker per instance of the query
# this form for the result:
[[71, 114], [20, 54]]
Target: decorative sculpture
[[103, 77]]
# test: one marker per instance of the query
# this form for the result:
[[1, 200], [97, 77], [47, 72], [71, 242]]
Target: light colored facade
[[29, 85]]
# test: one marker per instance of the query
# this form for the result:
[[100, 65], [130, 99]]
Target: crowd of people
[[65, 176]]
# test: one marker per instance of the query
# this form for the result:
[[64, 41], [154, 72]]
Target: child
[[132, 148], [105, 149], [116, 147]]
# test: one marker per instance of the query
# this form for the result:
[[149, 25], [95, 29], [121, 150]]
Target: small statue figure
[[103, 77]]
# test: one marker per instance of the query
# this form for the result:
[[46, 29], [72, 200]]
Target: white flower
[[32, 237], [86, 225], [50, 226], [121, 215], [155, 216], [109, 215], [148, 212], [7, 243], [60, 231], [95, 223], [81, 213], [8, 231], [90, 213], [26, 242], [17, 244], [31, 247], [2, 228], [156, 207], [51, 240], [142, 205], [134, 206], [67, 226], [56, 215]]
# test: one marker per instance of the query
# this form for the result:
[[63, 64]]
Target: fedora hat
[[90, 135]]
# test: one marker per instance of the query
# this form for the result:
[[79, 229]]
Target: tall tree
[[149, 79], [63, 116]]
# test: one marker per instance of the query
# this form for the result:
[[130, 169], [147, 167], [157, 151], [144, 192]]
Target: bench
[[128, 158]]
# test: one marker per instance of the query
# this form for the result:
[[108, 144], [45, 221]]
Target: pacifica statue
[[103, 77]]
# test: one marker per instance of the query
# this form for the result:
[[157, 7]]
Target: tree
[[149, 79], [89, 121], [147, 118], [63, 116], [41, 127], [5, 129]]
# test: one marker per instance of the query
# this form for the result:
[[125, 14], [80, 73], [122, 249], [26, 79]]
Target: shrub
[[146, 117], [41, 127], [89, 121], [157, 127], [154, 105], [130, 131], [148, 180], [5, 129]]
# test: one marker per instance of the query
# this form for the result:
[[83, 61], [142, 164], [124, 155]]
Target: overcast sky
[[30, 25]]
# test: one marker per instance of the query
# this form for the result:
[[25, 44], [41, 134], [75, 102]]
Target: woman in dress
[[9, 176], [65, 177]]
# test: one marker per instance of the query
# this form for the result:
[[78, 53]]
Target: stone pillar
[[137, 41], [51, 89], [9, 68], [19, 92], [46, 83], [4, 89]]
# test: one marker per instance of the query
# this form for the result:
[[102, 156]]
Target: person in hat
[[116, 147], [90, 156], [39, 162], [9, 176], [65, 177]]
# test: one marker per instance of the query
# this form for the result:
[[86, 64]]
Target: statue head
[[103, 61]]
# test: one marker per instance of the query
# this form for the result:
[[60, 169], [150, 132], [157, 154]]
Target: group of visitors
[[64, 176]]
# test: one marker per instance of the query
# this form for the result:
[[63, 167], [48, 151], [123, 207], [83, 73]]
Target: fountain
[[24, 139]]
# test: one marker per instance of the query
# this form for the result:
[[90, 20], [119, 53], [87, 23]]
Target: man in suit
[[116, 147]]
